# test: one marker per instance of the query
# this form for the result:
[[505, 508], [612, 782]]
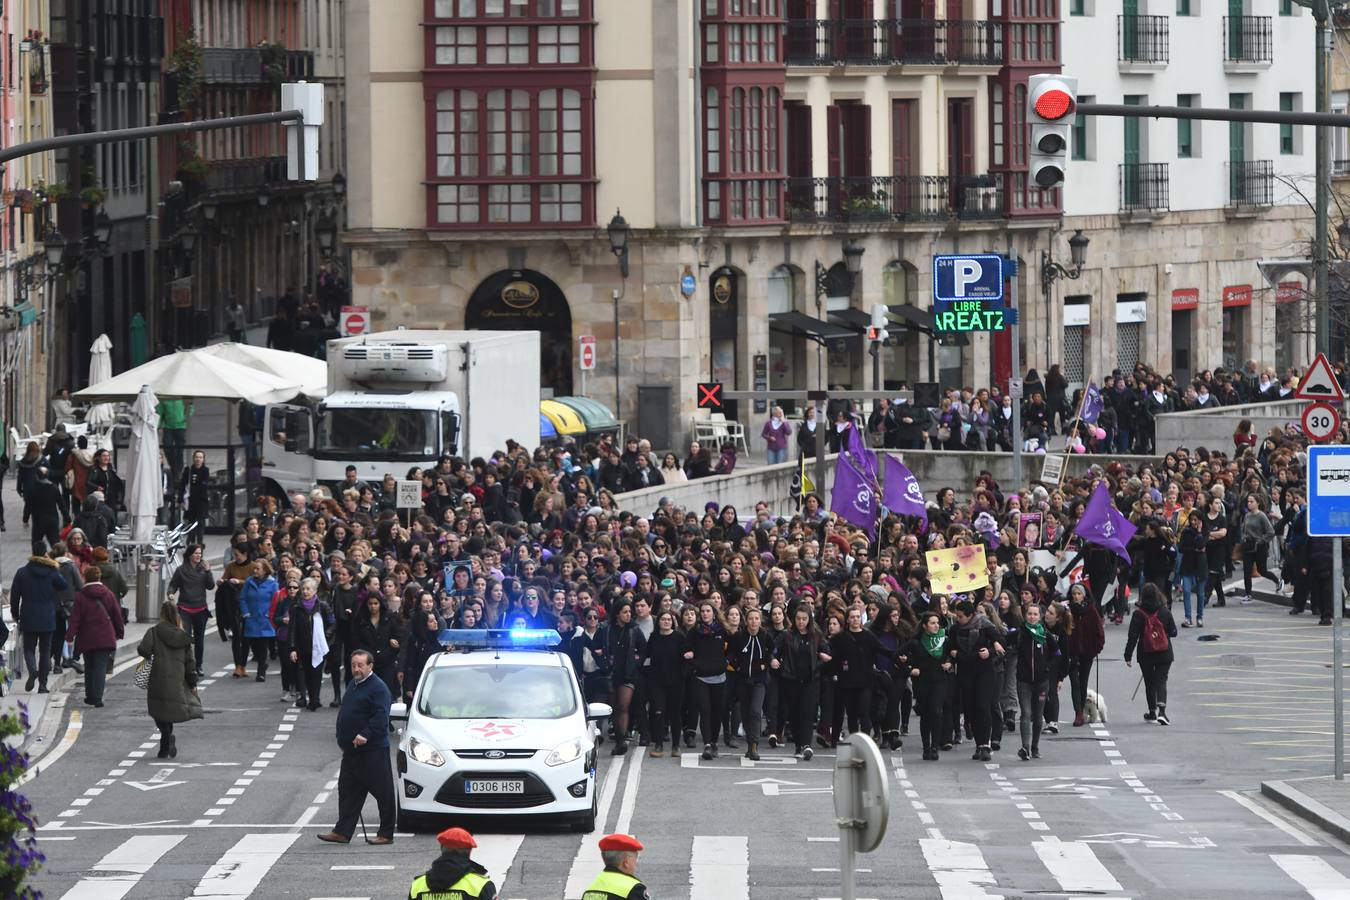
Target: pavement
[[1117, 809]]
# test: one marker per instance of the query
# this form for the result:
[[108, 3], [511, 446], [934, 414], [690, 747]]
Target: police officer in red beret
[[619, 880], [453, 876]]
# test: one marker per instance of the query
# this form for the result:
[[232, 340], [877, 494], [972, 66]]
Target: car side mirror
[[398, 712], [598, 711]]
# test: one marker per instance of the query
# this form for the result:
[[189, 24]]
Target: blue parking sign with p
[[972, 277]]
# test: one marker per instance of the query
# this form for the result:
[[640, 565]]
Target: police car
[[498, 726]]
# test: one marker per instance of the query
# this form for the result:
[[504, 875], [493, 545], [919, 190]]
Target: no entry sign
[[354, 320]]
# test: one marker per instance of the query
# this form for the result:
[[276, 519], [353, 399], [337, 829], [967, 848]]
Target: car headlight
[[425, 753], [565, 753]]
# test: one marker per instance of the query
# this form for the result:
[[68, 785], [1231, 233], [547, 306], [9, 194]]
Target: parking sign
[[1329, 491], [973, 277]]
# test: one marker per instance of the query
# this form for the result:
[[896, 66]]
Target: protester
[[171, 696], [95, 628]]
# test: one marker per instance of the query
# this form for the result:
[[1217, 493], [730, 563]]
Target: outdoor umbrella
[[195, 375], [100, 415], [145, 493], [310, 372]]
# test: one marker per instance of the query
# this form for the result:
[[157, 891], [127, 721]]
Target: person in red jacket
[[95, 628]]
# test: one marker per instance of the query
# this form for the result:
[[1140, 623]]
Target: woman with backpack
[[1151, 630]]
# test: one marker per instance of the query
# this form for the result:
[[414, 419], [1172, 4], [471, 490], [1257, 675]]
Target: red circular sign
[[1321, 421], [1054, 104]]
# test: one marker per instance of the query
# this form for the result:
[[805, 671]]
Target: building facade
[[744, 142], [1180, 213]]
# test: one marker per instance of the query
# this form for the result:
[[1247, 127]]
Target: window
[[1288, 132], [750, 123], [474, 33], [1340, 137], [1184, 7], [1186, 144], [1079, 134], [1286, 7], [1076, 7], [996, 112], [515, 157]]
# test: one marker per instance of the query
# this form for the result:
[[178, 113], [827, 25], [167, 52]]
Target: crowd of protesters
[[707, 627]]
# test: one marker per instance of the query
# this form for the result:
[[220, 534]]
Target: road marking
[[719, 868], [496, 853], [587, 861], [364, 868], [959, 869], [630, 792], [49, 759], [1075, 866], [238, 873], [126, 865], [1256, 808], [1316, 875]]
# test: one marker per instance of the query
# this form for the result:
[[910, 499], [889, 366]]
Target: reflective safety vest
[[611, 885], [467, 888]]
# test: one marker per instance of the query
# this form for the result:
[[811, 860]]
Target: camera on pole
[[1051, 105]]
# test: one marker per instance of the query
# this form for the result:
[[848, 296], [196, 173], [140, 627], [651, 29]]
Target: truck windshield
[[373, 433]]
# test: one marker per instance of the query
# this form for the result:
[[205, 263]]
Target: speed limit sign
[[1321, 421]]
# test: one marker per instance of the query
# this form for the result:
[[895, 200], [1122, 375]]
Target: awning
[[564, 418], [546, 430], [852, 318], [912, 315], [806, 326], [593, 413]]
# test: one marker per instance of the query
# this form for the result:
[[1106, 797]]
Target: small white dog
[[1095, 707]]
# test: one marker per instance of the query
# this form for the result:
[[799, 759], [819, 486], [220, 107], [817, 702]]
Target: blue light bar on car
[[498, 637]]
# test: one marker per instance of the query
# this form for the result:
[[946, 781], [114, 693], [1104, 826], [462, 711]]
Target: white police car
[[498, 726]]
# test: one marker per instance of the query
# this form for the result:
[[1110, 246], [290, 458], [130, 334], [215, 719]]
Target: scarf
[[933, 643], [319, 642], [1037, 633]]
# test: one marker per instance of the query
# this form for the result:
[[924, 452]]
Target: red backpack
[[1154, 639]]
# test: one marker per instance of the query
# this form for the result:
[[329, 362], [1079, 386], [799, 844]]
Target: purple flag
[[1104, 525], [854, 496], [903, 494], [1092, 404]]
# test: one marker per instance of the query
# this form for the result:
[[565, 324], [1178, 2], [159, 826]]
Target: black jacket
[[710, 650], [194, 484], [798, 658], [42, 501], [665, 664], [582, 642], [627, 646], [1136, 633], [1035, 662], [375, 639], [852, 654], [449, 868], [968, 640], [749, 655]]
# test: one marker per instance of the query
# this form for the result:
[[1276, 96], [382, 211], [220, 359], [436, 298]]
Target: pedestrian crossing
[[720, 867]]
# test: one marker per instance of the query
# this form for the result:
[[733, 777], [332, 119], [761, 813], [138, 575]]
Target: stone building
[[744, 141]]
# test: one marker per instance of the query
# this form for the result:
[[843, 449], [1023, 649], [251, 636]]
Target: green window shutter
[[1185, 143], [1286, 129]]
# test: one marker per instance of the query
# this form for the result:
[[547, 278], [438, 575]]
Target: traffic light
[[877, 330], [1050, 110]]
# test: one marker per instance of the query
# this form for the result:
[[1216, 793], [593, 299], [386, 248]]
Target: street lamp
[[618, 240], [54, 246], [339, 185], [103, 228], [209, 210], [325, 232], [853, 253], [1343, 235], [188, 238], [263, 197]]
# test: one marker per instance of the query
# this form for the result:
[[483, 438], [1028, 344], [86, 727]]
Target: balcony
[[232, 65], [244, 175], [895, 198], [1340, 168], [1143, 43], [1143, 188], [299, 65], [893, 42], [1251, 185], [1247, 43]]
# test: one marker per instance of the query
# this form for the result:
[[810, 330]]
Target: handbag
[[944, 433], [142, 677]]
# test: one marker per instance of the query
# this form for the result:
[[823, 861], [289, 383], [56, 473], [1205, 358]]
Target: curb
[[1305, 807]]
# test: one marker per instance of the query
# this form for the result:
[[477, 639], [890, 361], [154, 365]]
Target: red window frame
[[1033, 40]]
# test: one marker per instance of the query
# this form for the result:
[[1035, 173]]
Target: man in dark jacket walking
[[33, 599], [363, 735], [42, 503]]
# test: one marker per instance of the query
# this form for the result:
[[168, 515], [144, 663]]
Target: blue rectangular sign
[[973, 277], [1329, 491]]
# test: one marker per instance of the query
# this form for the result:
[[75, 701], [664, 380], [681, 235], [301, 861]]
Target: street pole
[[1337, 673], [1321, 251], [1011, 263], [821, 432]]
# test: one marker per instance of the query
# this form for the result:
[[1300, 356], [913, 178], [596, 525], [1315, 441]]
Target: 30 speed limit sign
[[1321, 421]]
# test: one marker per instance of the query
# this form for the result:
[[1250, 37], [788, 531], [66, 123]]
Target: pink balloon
[[1100, 434], [1040, 450], [1077, 448]]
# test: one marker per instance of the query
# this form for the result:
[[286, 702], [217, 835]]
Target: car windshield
[[373, 433], [498, 692]]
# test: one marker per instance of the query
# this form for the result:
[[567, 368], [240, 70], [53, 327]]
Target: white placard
[[409, 494]]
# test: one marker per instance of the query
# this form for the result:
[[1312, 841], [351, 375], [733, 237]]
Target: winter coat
[[710, 650], [42, 501], [94, 526], [853, 652], [750, 655], [302, 628], [375, 639], [28, 475], [1035, 662], [665, 663], [255, 602], [967, 640], [96, 623], [191, 585], [627, 646], [1089, 630], [173, 675], [1137, 620], [34, 594], [77, 472], [195, 485], [107, 481], [798, 660], [421, 646]]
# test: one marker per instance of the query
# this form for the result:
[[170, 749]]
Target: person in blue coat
[[33, 599], [255, 607]]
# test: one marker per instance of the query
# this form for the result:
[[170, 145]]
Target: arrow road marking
[[155, 781]]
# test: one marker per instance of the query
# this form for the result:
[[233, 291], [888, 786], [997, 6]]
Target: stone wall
[[934, 470], [1213, 428]]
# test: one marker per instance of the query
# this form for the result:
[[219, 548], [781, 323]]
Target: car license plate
[[494, 787]]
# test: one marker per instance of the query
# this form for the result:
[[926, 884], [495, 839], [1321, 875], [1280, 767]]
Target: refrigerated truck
[[399, 399]]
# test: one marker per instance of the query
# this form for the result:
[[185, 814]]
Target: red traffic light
[[1054, 104]]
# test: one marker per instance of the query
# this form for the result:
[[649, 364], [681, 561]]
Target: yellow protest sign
[[957, 570]]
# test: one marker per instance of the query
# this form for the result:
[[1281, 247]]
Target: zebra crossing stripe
[[126, 865], [242, 868], [1317, 876], [719, 868], [1075, 866], [959, 869], [586, 865], [496, 853]]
